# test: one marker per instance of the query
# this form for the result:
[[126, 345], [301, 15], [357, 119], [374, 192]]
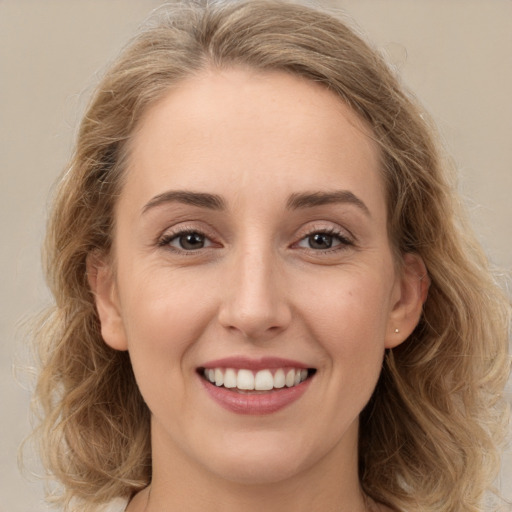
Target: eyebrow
[[201, 199], [312, 199], [295, 201]]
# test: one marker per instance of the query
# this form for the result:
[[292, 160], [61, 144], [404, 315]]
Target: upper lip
[[255, 364]]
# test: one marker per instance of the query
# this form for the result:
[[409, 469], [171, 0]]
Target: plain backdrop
[[456, 55]]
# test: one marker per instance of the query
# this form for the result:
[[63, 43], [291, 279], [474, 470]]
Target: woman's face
[[251, 250]]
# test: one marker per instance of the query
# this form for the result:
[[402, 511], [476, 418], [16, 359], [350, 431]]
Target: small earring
[[397, 331]]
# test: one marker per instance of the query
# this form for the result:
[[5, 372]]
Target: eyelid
[[329, 228], [341, 240], [184, 228], [169, 240], [347, 241]]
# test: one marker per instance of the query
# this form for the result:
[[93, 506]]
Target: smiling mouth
[[262, 381]]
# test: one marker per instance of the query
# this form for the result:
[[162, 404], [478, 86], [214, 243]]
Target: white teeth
[[245, 380], [219, 377], [263, 380], [279, 379], [230, 378], [290, 378]]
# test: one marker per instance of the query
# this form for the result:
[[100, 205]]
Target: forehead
[[226, 128]]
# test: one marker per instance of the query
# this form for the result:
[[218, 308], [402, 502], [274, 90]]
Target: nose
[[255, 305]]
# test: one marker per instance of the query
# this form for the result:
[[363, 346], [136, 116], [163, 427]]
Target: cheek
[[163, 319], [349, 318], [164, 308]]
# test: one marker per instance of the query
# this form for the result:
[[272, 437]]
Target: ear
[[410, 294], [103, 286]]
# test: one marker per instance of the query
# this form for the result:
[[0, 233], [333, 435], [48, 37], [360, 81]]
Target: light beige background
[[455, 54]]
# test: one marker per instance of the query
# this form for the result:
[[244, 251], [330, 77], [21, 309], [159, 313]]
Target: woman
[[265, 297]]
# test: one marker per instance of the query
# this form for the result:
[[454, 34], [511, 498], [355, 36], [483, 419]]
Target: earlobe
[[412, 290], [102, 283]]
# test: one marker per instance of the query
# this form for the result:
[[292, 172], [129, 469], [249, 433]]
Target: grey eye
[[320, 241], [324, 240], [189, 241]]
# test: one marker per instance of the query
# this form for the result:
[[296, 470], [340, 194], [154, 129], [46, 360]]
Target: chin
[[257, 472], [264, 462]]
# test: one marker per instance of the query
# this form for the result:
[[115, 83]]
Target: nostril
[[255, 310]]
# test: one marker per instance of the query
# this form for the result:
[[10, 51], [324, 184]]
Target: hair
[[430, 436]]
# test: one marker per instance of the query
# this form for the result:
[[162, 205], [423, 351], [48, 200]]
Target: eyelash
[[344, 241], [165, 240]]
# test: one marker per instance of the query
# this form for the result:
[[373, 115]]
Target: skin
[[258, 287]]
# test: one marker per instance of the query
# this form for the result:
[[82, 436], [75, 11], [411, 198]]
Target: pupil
[[192, 241], [320, 241]]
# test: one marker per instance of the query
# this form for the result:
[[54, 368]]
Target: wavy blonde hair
[[430, 436]]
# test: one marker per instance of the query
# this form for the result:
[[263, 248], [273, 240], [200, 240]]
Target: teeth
[[279, 379], [245, 380], [290, 379], [230, 378], [219, 377], [263, 380]]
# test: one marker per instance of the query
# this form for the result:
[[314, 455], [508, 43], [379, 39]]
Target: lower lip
[[255, 403]]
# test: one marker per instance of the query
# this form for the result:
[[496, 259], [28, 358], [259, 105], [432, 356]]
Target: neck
[[329, 485]]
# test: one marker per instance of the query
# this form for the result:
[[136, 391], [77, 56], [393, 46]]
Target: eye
[[324, 240], [186, 241]]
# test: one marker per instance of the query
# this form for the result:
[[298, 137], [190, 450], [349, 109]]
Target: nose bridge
[[255, 304]]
